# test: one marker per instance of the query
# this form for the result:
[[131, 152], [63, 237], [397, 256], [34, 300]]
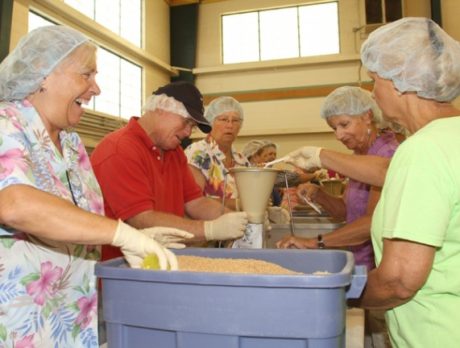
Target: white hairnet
[[251, 148], [222, 105], [163, 102], [34, 58], [351, 101], [417, 55]]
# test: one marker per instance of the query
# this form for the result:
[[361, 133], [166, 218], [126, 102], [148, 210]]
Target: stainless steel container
[[307, 227]]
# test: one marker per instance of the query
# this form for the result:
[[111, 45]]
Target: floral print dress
[[206, 156], [48, 295]]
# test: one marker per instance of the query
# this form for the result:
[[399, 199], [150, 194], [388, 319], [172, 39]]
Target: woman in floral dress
[[211, 159], [51, 208]]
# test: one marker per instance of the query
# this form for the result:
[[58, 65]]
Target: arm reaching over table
[[364, 168]]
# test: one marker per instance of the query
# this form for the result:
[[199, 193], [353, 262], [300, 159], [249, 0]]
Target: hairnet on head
[[168, 104], [351, 101], [222, 105], [417, 55], [254, 146], [34, 58]]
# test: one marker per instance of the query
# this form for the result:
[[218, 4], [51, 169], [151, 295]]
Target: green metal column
[[436, 11], [183, 28], [6, 15]]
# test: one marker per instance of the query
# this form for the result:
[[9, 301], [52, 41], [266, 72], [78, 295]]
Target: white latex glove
[[278, 215], [306, 157], [227, 226], [167, 236], [135, 245]]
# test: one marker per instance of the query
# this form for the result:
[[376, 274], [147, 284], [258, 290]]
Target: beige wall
[[20, 21], [156, 42], [417, 8], [291, 122], [450, 13]]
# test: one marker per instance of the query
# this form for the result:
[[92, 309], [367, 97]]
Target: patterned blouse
[[209, 159], [48, 295]]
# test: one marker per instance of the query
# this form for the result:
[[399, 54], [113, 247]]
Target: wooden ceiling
[[182, 2], [188, 2]]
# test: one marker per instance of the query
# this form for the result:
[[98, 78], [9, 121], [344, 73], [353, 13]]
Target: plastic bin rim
[[117, 269]]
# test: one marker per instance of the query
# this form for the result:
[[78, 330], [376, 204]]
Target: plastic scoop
[[311, 204], [269, 164]]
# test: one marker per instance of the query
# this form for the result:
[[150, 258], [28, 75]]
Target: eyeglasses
[[232, 121]]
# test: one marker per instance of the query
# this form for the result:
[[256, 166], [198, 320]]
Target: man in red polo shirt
[[145, 178]]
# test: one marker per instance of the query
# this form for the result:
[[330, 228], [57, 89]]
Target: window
[[383, 11], [123, 17], [119, 79], [319, 29], [281, 33], [36, 21], [278, 41], [120, 83]]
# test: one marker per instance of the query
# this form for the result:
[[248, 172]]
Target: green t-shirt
[[420, 202]]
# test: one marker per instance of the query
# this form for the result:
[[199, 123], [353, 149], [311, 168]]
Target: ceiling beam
[[188, 2], [182, 2]]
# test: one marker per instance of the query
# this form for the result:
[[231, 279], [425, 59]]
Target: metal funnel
[[254, 184]]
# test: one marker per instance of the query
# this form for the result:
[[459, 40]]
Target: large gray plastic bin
[[145, 308]]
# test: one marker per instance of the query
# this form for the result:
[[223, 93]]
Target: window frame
[[258, 11], [369, 25], [61, 13], [94, 16]]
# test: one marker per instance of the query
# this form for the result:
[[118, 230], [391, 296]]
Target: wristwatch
[[320, 242]]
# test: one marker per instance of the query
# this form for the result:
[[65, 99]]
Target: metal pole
[[291, 220]]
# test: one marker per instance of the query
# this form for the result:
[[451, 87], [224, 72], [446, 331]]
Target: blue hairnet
[[417, 55], [34, 58], [351, 101], [222, 105]]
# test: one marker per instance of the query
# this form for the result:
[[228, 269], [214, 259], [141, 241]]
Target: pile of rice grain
[[221, 265]]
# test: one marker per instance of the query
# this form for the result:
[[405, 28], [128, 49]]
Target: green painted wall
[[183, 28], [6, 14]]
